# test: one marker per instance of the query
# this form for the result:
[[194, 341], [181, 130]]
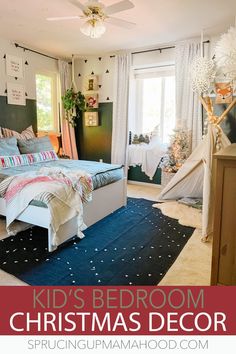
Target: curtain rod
[[111, 56], [154, 67], [160, 49], [35, 51]]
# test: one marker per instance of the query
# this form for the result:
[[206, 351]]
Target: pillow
[[1, 136], [27, 159], [8, 146], [28, 133], [31, 146]]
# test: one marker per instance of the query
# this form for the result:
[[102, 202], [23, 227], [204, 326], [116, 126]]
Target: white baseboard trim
[[145, 184]]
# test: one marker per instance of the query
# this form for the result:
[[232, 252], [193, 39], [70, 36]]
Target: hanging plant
[[74, 104]]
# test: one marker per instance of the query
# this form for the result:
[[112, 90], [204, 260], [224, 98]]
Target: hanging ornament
[[225, 54], [203, 72]]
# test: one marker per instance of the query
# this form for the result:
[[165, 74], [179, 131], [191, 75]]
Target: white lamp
[[93, 28]]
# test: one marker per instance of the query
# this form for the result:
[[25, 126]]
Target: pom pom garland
[[203, 73]]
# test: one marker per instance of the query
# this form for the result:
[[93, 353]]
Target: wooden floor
[[192, 267]]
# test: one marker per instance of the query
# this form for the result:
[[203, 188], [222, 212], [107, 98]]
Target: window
[[47, 107], [153, 102]]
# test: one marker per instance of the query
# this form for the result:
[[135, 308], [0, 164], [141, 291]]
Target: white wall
[[155, 58], [98, 67], [36, 62]]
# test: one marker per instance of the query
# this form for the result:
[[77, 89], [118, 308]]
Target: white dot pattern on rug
[[134, 246]]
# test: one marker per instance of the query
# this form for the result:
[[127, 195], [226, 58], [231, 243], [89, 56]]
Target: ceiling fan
[[96, 13]]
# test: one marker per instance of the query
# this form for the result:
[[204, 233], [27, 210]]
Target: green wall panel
[[135, 174], [18, 117], [229, 124], [94, 143]]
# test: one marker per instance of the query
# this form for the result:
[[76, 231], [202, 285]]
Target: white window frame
[[145, 73], [55, 103]]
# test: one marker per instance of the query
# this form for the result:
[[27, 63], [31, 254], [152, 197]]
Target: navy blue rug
[[136, 245]]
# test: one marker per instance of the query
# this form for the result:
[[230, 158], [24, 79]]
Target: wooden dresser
[[224, 232]]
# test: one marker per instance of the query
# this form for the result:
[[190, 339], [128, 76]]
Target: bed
[[109, 194]]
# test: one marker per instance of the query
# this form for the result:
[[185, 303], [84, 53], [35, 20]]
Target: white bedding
[[63, 192]]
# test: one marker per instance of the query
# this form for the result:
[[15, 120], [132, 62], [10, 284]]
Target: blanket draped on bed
[[61, 190]]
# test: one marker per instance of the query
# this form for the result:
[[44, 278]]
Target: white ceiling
[[158, 22]]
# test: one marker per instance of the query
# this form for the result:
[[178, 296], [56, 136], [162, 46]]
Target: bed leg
[[125, 192], [51, 248]]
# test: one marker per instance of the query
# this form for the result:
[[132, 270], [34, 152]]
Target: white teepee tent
[[194, 178]]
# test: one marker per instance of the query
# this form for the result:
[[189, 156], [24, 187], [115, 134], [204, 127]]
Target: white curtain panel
[[67, 131], [120, 109], [188, 106]]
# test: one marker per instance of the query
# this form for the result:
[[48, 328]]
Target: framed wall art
[[91, 83], [14, 66], [91, 100], [16, 94], [91, 119], [224, 92]]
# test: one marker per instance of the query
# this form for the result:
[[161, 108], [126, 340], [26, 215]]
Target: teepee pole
[[209, 105], [222, 117], [204, 103]]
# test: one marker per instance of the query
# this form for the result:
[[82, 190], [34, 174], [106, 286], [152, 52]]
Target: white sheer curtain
[[67, 131], [188, 107], [120, 109]]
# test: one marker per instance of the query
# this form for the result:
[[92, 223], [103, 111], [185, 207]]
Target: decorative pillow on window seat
[[31, 146], [28, 133], [27, 159]]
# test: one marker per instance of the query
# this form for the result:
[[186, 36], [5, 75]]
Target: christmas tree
[[178, 151]]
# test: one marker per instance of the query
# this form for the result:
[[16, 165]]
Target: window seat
[[148, 156]]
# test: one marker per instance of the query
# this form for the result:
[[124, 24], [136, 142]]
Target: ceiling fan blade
[[78, 4], [62, 18], [118, 7], [120, 23]]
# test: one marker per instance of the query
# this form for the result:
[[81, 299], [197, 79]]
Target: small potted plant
[[74, 105]]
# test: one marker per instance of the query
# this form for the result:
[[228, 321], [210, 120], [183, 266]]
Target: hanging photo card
[[16, 94], [91, 119], [91, 83], [14, 66], [91, 100]]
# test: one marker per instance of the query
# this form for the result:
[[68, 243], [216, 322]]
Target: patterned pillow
[[28, 133], [1, 136], [31, 146], [27, 159]]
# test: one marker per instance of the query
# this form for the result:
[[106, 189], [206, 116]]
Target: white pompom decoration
[[203, 72], [225, 54]]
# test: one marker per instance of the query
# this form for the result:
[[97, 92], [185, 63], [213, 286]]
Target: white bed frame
[[105, 200]]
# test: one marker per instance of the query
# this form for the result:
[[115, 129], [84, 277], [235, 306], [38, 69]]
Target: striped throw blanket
[[63, 191]]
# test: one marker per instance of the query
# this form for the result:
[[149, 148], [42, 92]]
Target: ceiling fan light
[[93, 28]]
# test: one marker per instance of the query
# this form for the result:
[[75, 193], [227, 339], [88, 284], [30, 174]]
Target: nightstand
[[224, 232]]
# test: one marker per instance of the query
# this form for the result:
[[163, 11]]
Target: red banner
[[118, 310]]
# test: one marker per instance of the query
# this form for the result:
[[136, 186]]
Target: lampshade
[[93, 28]]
